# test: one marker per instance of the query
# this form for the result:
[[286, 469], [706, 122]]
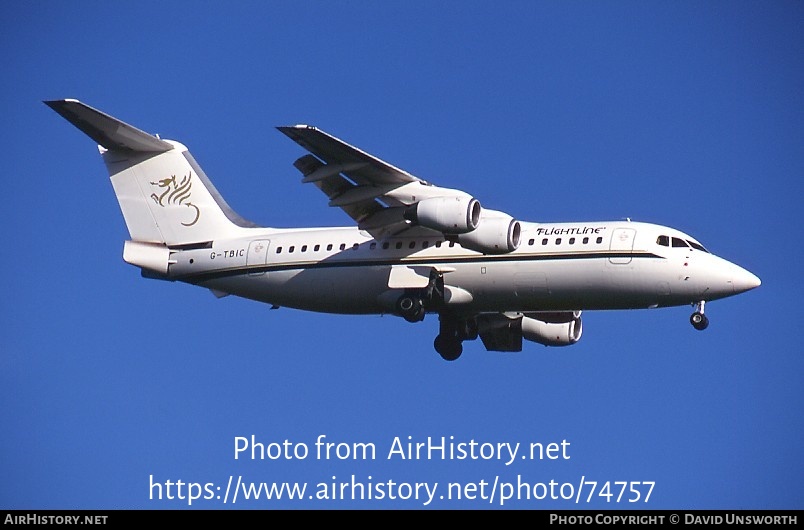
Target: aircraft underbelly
[[561, 285], [504, 286], [338, 290]]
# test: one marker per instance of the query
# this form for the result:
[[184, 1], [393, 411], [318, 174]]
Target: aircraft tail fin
[[163, 193]]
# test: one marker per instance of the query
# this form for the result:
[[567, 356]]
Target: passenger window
[[354, 247], [329, 247], [291, 249], [663, 241], [304, 248], [425, 244], [572, 241], [278, 250], [385, 245], [585, 240], [398, 244], [412, 244], [599, 240], [372, 246], [544, 241], [316, 248], [530, 242], [438, 244], [558, 241], [343, 246]]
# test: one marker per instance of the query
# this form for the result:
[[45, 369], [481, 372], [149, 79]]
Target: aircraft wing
[[374, 193]]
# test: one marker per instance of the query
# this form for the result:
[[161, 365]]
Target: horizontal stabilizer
[[107, 131]]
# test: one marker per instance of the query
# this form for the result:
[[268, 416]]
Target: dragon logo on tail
[[177, 193]]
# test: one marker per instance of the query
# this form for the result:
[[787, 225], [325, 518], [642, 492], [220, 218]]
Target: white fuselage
[[558, 266]]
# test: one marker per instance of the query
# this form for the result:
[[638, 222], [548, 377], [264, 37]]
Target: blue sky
[[688, 114]]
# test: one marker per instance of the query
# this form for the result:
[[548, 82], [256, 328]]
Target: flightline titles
[[566, 231], [431, 448]]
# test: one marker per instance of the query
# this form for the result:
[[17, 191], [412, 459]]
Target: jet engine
[[505, 331], [497, 233], [552, 333], [448, 215]]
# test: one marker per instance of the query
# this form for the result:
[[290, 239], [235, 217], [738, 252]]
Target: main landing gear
[[698, 319], [451, 334], [449, 348], [452, 331]]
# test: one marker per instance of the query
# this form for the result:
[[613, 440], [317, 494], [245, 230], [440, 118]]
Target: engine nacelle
[[552, 333], [448, 215], [497, 233], [505, 331], [556, 317]]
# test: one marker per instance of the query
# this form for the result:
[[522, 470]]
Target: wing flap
[[329, 170], [359, 194], [329, 180], [358, 165]]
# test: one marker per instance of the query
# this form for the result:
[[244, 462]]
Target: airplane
[[415, 249]]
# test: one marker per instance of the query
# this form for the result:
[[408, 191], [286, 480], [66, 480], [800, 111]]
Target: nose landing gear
[[414, 303], [698, 319]]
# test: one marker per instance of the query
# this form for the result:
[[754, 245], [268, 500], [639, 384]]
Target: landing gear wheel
[[449, 348], [699, 321], [411, 308]]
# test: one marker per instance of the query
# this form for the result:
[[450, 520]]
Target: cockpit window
[[677, 242], [697, 246], [663, 241]]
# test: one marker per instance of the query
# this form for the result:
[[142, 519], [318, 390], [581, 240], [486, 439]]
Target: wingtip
[[56, 101]]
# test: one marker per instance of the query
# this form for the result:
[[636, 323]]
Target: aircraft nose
[[743, 281]]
